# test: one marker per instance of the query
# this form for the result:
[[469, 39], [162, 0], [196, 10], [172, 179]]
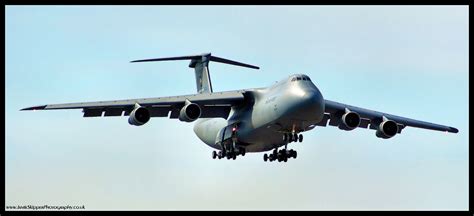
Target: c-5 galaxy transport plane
[[250, 120]]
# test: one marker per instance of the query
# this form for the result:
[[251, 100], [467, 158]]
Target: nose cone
[[313, 104], [309, 104]]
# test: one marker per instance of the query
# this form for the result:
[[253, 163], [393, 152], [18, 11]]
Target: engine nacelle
[[387, 129], [139, 116], [350, 120], [190, 112]]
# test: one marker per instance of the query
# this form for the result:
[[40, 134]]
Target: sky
[[410, 61]]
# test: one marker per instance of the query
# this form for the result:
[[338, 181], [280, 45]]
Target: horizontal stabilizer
[[203, 57]]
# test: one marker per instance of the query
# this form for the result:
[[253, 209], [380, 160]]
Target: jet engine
[[387, 129], [350, 120], [139, 116], [190, 112]]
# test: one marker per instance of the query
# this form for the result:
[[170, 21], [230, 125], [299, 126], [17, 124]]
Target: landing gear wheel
[[285, 137], [234, 157], [265, 157], [295, 137], [290, 138], [285, 159], [214, 154], [294, 155], [242, 151], [300, 138]]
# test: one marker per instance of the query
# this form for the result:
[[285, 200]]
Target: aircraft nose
[[312, 97], [312, 104]]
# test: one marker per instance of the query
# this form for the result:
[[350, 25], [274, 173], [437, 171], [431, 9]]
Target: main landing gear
[[228, 154], [281, 155], [293, 137]]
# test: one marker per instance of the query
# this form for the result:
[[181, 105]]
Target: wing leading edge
[[216, 104], [369, 117]]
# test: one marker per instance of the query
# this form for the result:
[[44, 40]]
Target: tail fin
[[200, 63]]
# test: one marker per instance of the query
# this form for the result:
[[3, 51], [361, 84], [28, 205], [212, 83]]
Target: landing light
[[234, 129]]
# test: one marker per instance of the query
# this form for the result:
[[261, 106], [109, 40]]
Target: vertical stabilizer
[[201, 71]]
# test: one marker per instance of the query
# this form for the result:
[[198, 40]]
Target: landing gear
[[281, 155], [242, 151], [229, 154], [293, 137]]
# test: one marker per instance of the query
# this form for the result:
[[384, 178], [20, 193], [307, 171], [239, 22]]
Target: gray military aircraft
[[249, 120]]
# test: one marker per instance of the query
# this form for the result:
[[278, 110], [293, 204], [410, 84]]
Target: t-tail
[[200, 63]]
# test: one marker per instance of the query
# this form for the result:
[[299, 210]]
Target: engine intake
[[387, 129], [139, 116], [350, 120], [190, 112]]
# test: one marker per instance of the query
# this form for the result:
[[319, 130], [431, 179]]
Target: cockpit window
[[304, 78], [298, 78], [294, 79]]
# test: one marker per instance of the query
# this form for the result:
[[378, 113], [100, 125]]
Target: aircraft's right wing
[[213, 105]]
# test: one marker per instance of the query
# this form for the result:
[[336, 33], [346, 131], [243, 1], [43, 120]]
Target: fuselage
[[292, 105]]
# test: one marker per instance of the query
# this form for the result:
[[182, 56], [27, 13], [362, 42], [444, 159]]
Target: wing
[[213, 105], [371, 119]]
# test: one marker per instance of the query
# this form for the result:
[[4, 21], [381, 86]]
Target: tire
[[234, 157], [295, 137], [285, 159], [214, 154], [290, 139], [265, 157], [285, 137], [294, 155], [300, 138]]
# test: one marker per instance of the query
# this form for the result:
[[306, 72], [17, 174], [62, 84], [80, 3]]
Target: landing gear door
[[226, 135]]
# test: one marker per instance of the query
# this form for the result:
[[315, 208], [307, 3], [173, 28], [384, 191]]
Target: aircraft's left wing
[[372, 119], [215, 104]]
